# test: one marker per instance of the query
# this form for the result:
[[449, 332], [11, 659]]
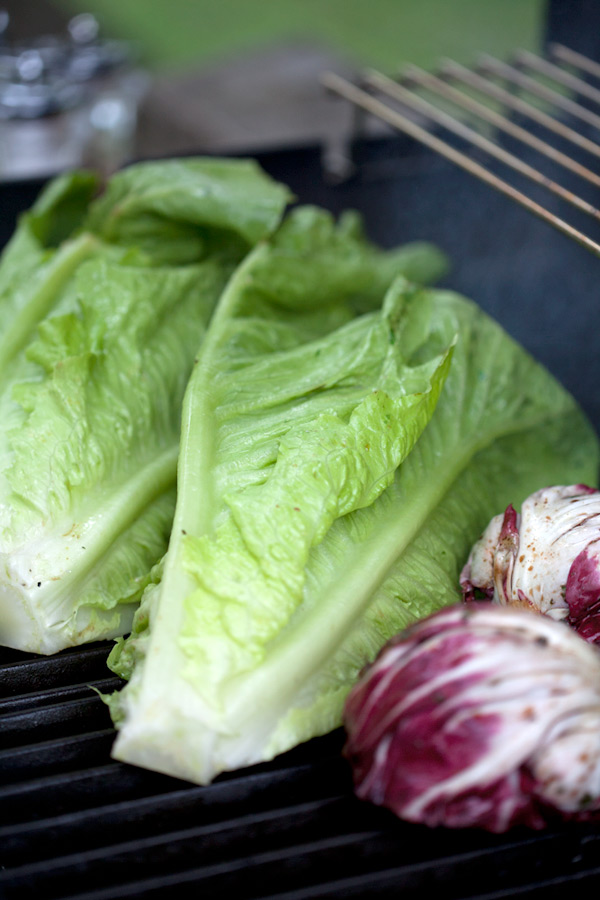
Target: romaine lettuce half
[[103, 304], [312, 521]]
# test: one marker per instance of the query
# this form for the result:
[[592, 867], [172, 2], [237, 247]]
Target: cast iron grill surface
[[74, 823]]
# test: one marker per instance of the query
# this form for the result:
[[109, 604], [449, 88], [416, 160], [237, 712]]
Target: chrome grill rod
[[396, 102]]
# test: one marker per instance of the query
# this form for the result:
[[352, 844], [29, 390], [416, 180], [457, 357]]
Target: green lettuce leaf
[[503, 428], [98, 342], [298, 413], [178, 210], [313, 522], [40, 259]]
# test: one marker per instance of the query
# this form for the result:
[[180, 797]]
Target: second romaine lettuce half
[[103, 304], [313, 522], [297, 414]]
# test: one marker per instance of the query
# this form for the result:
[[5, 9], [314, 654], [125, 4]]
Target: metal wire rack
[[553, 96]]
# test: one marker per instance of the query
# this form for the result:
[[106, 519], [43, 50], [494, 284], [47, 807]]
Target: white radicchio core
[[480, 716], [546, 559]]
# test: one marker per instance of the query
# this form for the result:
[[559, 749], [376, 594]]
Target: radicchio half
[[546, 559], [479, 716]]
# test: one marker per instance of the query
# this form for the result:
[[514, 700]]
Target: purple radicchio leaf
[[582, 593], [479, 716], [546, 559]]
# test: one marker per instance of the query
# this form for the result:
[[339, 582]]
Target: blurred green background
[[382, 33]]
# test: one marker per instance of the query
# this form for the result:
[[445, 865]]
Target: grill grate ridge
[[54, 721], [45, 698], [178, 809], [288, 873], [79, 751]]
